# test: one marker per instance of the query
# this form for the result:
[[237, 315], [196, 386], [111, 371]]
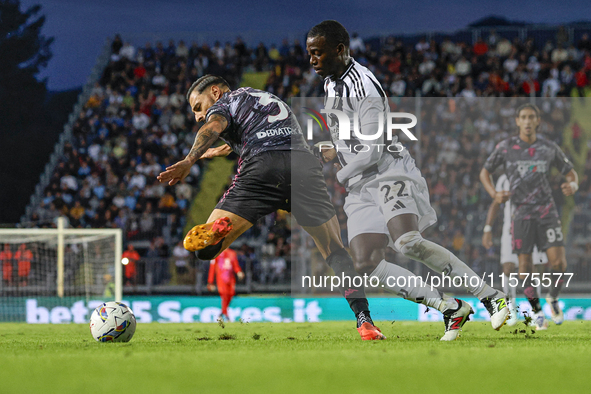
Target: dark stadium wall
[[25, 153]]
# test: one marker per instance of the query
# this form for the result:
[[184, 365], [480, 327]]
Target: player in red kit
[[223, 268]]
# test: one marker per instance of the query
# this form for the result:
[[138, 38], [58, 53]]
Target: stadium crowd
[[136, 122]]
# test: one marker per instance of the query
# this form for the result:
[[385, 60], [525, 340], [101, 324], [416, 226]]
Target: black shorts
[[272, 180], [544, 233]]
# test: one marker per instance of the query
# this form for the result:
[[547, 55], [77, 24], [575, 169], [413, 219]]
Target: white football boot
[[497, 308], [557, 315]]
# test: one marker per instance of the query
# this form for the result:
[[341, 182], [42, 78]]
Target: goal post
[[59, 263], [118, 251]]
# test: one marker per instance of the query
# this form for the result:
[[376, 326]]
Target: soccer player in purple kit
[[527, 159], [263, 131]]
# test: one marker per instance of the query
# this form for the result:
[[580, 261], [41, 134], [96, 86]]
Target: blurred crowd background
[[136, 122]]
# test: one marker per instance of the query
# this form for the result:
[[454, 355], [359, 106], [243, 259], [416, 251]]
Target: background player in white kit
[[509, 260], [388, 200]]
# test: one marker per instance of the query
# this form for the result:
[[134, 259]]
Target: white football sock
[[413, 288], [441, 260]]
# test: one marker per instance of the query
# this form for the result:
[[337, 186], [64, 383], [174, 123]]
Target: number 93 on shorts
[[545, 233]]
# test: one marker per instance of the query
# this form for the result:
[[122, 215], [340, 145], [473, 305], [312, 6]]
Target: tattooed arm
[[206, 136]]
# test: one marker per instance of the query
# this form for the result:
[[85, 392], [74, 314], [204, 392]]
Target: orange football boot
[[369, 332], [204, 235]]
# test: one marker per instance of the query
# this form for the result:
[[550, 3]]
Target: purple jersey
[[527, 167], [257, 122]]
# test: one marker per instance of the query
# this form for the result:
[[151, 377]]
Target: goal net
[[58, 275]]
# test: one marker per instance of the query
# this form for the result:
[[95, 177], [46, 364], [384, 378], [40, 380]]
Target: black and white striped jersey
[[360, 96]]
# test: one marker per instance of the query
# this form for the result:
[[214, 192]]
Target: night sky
[[81, 28]]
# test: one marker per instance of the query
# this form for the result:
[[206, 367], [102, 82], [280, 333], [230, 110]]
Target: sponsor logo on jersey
[[274, 132], [527, 166]]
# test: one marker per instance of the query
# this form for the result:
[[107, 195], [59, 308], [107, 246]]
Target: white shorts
[[401, 189], [507, 255]]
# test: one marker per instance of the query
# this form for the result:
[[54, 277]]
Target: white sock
[[441, 260], [413, 288]]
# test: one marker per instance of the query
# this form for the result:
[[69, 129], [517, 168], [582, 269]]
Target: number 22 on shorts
[[391, 191]]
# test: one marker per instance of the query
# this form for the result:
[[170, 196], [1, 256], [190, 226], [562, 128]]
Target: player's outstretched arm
[[571, 185], [207, 135]]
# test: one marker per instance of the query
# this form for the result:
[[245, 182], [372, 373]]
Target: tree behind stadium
[[23, 52], [24, 140]]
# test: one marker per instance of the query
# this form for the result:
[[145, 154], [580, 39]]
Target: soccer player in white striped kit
[[509, 260], [388, 200]]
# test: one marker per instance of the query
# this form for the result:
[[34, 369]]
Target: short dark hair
[[332, 31], [206, 81], [525, 106]]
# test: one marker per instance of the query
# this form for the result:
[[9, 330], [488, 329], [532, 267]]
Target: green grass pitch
[[324, 357]]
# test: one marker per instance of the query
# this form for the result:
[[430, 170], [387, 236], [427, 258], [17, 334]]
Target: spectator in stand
[[278, 267], [559, 54], [463, 67], [356, 44], [167, 204], [284, 50], [480, 47], [510, 64], [117, 44], [551, 86], [493, 39], [140, 121], [178, 120], [567, 76], [182, 51], [177, 99], [584, 43], [581, 81], [561, 36], [422, 46], [223, 269], [128, 51], [157, 262], [274, 54], [427, 66], [261, 57], [77, 213], [398, 86], [181, 260], [504, 48]]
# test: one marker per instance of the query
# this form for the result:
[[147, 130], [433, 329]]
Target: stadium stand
[[136, 122]]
